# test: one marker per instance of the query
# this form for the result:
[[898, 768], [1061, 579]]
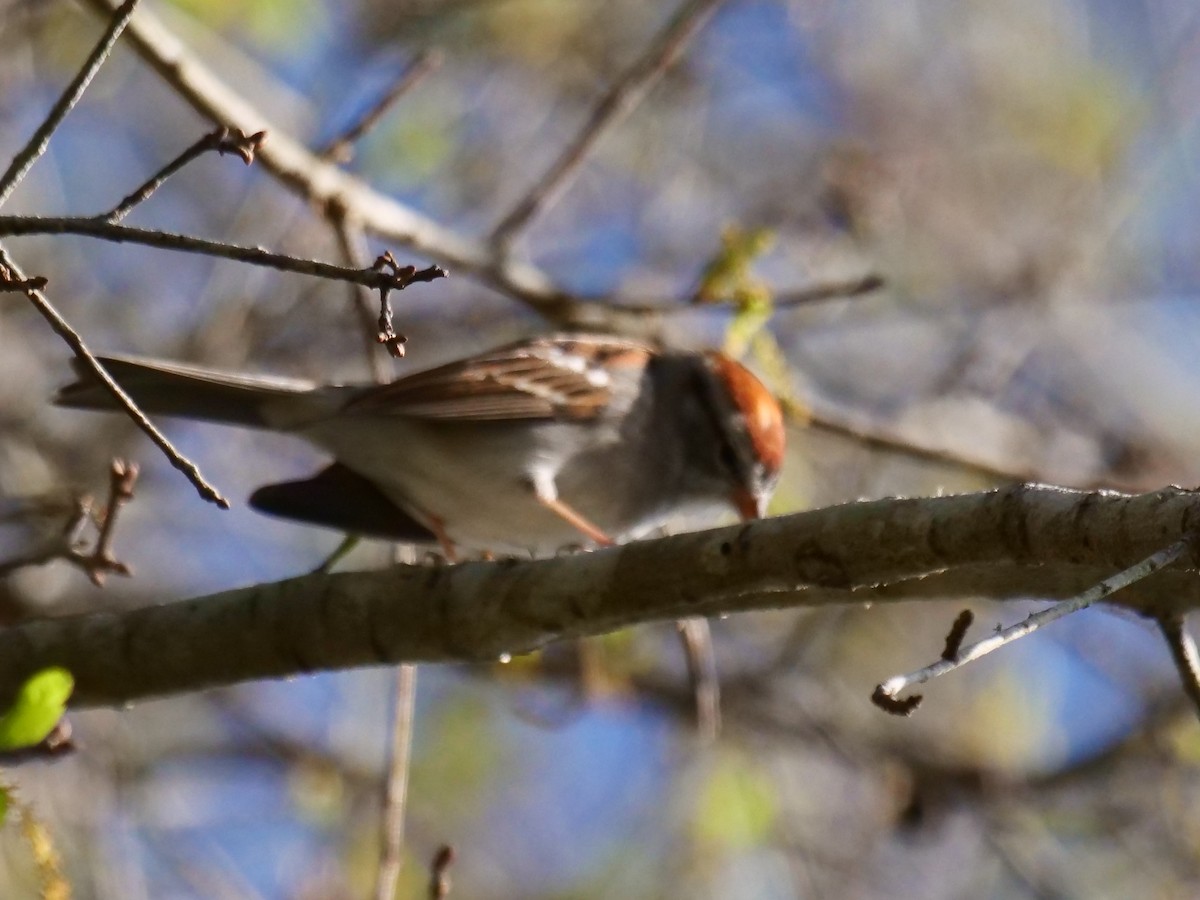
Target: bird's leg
[[576, 521], [547, 495], [439, 531]]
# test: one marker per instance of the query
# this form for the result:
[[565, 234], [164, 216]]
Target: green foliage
[[268, 22], [410, 150], [736, 808], [40, 703], [727, 276]]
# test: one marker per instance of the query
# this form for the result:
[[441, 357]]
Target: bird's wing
[[545, 378]]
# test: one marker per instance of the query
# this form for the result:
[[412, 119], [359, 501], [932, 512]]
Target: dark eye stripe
[[728, 453]]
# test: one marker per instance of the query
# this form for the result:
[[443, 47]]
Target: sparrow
[[545, 443]]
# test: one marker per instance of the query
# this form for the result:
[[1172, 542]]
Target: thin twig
[[625, 94], [956, 634], [875, 436], [376, 279], [319, 181], [101, 561], [833, 290], [21, 285], [439, 873], [9, 270], [63, 544], [396, 791], [37, 144], [1184, 654], [387, 334], [322, 183], [341, 148], [886, 695], [352, 246], [68, 545], [696, 637], [222, 140]]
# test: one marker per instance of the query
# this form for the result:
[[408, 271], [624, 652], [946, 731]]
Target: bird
[[554, 441]]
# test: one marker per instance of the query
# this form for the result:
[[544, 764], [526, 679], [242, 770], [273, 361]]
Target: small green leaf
[[40, 703], [727, 276], [4, 789]]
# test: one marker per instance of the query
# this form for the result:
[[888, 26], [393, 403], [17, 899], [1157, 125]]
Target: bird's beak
[[748, 505]]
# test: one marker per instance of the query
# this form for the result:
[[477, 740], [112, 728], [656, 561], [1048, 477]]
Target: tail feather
[[338, 497], [190, 392]]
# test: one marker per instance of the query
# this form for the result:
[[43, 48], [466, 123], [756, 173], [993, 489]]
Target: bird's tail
[[190, 392]]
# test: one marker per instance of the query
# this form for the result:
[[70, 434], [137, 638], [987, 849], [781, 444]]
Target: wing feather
[[544, 378]]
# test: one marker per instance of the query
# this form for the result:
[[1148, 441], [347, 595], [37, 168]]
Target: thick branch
[[1024, 541]]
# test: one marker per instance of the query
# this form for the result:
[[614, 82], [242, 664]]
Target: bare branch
[[886, 695], [222, 140], [322, 182], [352, 245], [68, 545], [391, 279], [37, 144], [396, 787], [387, 335], [341, 148], [834, 290], [62, 546], [9, 271], [880, 436], [1028, 540], [439, 874], [696, 637], [956, 634], [1184, 654], [22, 285], [101, 562], [622, 98]]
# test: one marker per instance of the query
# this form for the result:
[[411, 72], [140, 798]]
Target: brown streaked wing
[[527, 380]]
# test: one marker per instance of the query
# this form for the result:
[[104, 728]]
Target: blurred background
[[1023, 176]]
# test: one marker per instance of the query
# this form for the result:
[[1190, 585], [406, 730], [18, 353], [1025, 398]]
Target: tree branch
[[886, 695], [622, 97], [1027, 540], [1184, 654], [10, 271], [28, 155], [322, 182], [374, 278], [341, 148], [221, 140], [395, 796]]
